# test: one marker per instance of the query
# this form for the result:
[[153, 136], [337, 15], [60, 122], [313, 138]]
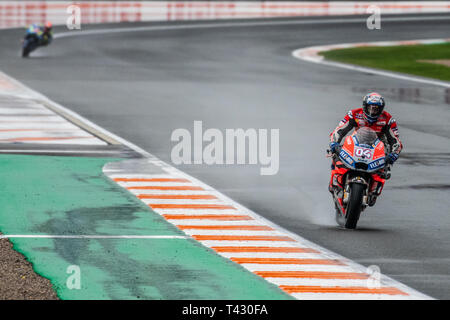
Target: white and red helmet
[[373, 106]]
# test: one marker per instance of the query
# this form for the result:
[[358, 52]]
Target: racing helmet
[[373, 105], [48, 26]]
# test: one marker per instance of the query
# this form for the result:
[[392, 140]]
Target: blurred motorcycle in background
[[36, 35]]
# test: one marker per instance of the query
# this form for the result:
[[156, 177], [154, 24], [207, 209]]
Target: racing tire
[[25, 53], [29, 44], [354, 206]]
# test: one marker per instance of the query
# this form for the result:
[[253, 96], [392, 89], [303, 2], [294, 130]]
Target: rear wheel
[[354, 205]]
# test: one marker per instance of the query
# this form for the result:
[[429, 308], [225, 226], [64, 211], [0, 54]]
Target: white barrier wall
[[22, 13]]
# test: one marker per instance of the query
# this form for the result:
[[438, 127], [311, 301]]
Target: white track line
[[234, 243], [296, 267], [169, 192], [270, 255], [47, 236], [193, 232], [58, 151], [198, 222], [318, 282], [344, 296], [424, 17], [153, 183], [181, 201], [310, 54], [195, 211]]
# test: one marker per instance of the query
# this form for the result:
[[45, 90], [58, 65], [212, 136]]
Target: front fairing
[[362, 157]]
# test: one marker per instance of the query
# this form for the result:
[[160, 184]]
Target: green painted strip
[[70, 195]]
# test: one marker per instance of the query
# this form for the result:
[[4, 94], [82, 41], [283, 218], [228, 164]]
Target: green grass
[[398, 58]]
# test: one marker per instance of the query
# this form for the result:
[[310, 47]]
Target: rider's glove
[[392, 157], [334, 147]]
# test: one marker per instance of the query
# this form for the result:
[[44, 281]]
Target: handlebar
[[333, 154], [386, 174]]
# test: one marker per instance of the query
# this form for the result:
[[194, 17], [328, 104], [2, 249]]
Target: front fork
[[373, 188], [360, 180]]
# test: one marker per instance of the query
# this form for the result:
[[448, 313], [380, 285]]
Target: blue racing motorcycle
[[35, 36]]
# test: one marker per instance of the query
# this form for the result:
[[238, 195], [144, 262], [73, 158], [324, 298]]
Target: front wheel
[[26, 48], [354, 206], [25, 53], [29, 44]]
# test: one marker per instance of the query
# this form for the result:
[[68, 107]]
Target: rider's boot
[[330, 185], [375, 191], [372, 200]]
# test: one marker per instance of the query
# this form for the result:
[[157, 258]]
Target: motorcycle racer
[[371, 115], [42, 35], [47, 35]]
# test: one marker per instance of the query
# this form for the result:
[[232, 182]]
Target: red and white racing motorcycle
[[361, 168]]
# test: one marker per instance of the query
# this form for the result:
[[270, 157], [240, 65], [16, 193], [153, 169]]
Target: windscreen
[[366, 135]]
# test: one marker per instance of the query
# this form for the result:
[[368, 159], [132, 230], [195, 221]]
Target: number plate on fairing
[[363, 154]]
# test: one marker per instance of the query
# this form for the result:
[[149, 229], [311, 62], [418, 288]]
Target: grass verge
[[405, 59]]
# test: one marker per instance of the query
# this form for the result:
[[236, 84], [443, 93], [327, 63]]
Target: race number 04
[[361, 152]]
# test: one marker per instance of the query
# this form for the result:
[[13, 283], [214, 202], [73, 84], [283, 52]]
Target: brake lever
[[332, 154]]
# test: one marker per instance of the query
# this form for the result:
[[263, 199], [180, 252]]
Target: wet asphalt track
[[143, 85]]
